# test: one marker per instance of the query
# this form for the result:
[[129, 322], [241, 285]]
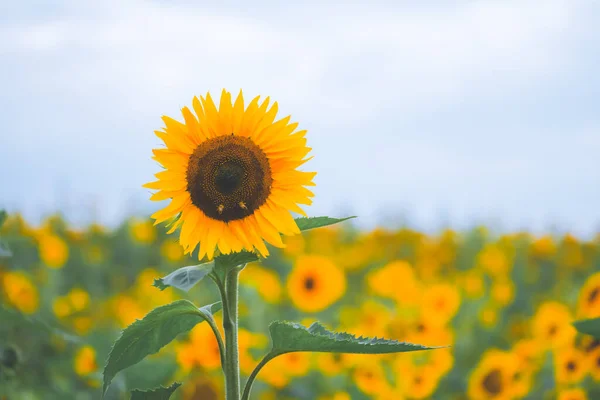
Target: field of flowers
[[504, 304]]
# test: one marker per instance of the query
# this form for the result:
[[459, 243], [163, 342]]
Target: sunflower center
[[309, 283], [229, 177], [571, 366], [492, 382], [593, 295]]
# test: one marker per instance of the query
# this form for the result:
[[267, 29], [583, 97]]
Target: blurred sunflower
[[370, 378], [594, 363], [54, 251], [551, 325], [440, 303], [20, 292], [570, 365], [231, 175], [589, 298], [85, 361], [315, 283], [572, 394], [493, 377]]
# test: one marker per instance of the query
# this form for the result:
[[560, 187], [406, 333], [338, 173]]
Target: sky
[[425, 113]]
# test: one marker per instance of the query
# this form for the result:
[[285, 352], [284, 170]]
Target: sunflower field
[[501, 307]]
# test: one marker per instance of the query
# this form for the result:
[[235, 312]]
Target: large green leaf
[[305, 224], [161, 393], [589, 326], [185, 278], [148, 335], [290, 336]]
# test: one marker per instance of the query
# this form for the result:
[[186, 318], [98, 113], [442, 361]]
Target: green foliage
[[305, 224], [225, 262], [289, 337], [148, 335], [12, 317], [3, 216], [589, 327], [235, 259], [185, 278], [161, 393]]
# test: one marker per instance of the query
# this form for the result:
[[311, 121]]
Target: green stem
[[230, 326], [213, 326], [252, 377]]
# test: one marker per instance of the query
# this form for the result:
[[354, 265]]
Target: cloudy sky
[[433, 113]]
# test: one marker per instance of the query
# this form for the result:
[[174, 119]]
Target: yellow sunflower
[[570, 366], [493, 379], [572, 394], [589, 298], [551, 325], [315, 283], [231, 174]]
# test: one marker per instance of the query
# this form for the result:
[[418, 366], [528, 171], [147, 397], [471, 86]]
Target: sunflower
[[20, 292], [551, 325], [572, 394], [594, 363], [494, 377], [231, 174], [85, 361], [315, 283], [440, 303], [570, 365], [589, 298]]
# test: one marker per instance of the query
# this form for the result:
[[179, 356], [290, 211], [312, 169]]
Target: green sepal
[[185, 278]]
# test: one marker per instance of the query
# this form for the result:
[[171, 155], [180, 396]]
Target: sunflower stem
[[230, 326]]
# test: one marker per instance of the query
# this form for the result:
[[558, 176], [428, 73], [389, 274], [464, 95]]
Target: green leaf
[[148, 335], [161, 393], [589, 327], [290, 337], [185, 278], [305, 224]]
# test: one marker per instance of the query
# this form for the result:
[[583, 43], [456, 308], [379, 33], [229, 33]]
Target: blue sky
[[434, 113]]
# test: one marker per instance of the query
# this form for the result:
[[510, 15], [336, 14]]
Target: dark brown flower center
[[309, 283], [571, 366], [492, 382], [229, 177], [593, 295]]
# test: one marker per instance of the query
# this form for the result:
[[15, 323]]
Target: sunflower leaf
[[161, 393], [185, 278], [305, 224], [588, 326], [290, 337], [148, 335]]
